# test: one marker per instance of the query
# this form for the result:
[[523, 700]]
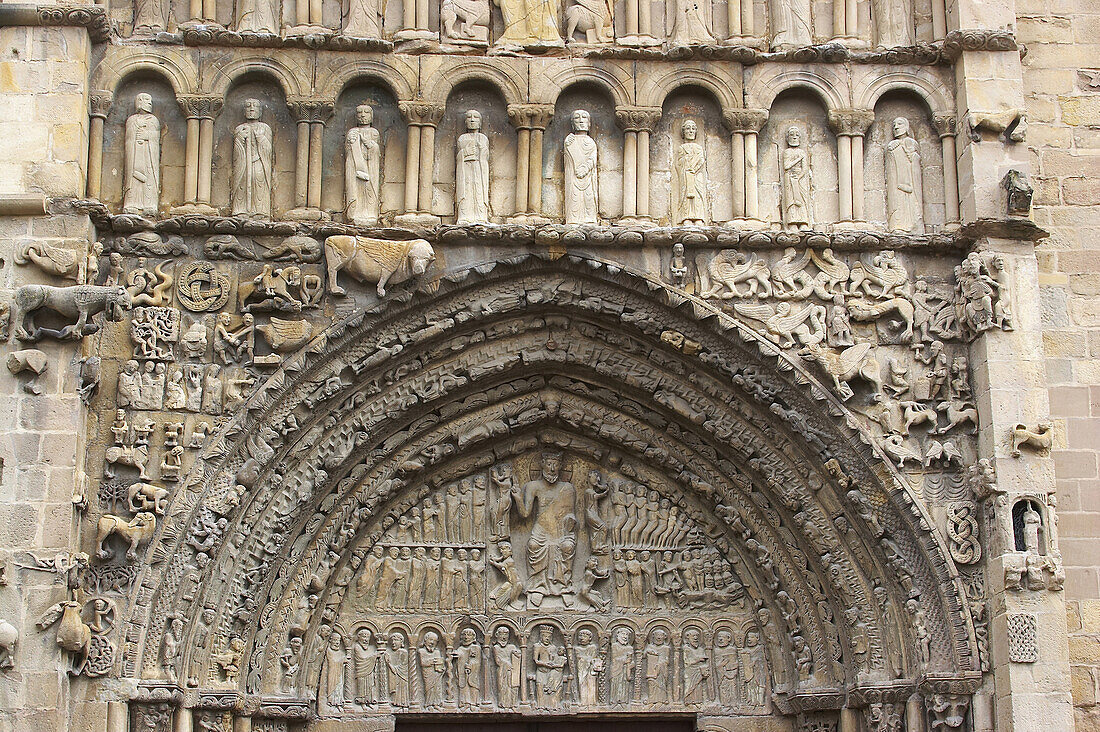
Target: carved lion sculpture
[[1041, 438], [148, 497], [135, 531], [79, 302], [376, 260]]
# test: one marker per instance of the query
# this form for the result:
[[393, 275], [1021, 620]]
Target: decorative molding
[[92, 17]]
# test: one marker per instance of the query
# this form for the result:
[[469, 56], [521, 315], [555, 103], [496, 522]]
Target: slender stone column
[[422, 119], [530, 121], [945, 126], [409, 7], [301, 165], [630, 173], [209, 11], [183, 722], [301, 12], [412, 168], [194, 10], [100, 105], [242, 723], [311, 115], [637, 124], [939, 20], [643, 171], [850, 125], [118, 716], [632, 17], [744, 126], [200, 112]]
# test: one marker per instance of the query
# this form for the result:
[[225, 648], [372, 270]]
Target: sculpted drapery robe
[[472, 178], [691, 184], [252, 169], [256, 16], [529, 22], [364, 19], [692, 22], [904, 188], [797, 202], [581, 184], [142, 171], [149, 16], [362, 175], [792, 23]]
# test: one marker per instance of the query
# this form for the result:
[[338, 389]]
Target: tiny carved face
[[436, 554], [364, 636], [751, 638], [584, 636], [551, 468], [396, 641], [449, 552], [475, 554], [678, 251], [692, 637], [473, 120], [405, 552], [430, 639], [296, 644], [335, 641], [505, 550], [723, 638], [364, 114], [143, 103], [546, 634], [378, 550], [252, 109], [582, 120], [622, 636], [689, 130], [794, 137], [901, 127], [395, 553], [468, 637], [502, 634], [461, 553], [660, 637]]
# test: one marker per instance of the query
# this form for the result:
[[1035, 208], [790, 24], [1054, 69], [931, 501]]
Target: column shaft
[[630, 173], [851, 20], [412, 165], [242, 724], [191, 162], [939, 20], [734, 11], [301, 165], [195, 9], [523, 162], [534, 187], [210, 10], [950, 179], [737, 144], [748, 19], [422, 14], [315, 12], [427, 164], [95, 156], [410, 14], [118, 717], [645, 18], [301, 12], [206, 158], [752, 199], [857, 177], [840, 18], [643, 172], [183, 720], [632, 17], [316, 133], [844, 176]]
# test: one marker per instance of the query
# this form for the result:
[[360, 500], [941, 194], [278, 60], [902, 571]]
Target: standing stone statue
[[364, 19], [257, 16], [581, 172], [791, 23], [904, 188], [433, 668], [690, 182], [365, 666], [464, 21], [589, 668], [362, 170], [691, 22], [142, 171], [553, 541], [594, 18], [529, 23], [507, 659], [335, 678], [149, 16], [252, 165], [893, 20], [472, 172], [797, 180]]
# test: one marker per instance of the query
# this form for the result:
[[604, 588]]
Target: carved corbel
[[530, 116], [200, 106], [850, 122], [745, 120], [1009, 124]]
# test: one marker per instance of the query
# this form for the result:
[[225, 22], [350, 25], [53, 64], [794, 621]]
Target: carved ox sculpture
[[135, 532], [79, 303], [376, 260]]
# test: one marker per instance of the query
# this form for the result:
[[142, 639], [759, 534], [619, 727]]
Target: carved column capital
[[945, 124], [530, 116], [421, 114], [744, 120], [200, 106], [851, 122], [99, 103], [311, 110], [638, 119]]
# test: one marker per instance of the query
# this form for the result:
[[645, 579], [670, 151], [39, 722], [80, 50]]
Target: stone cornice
[[92, 17]]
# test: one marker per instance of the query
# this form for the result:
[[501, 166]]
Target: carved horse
[[136, 456], [135, 531]]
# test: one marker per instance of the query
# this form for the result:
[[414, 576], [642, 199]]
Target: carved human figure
[[433, 667], [589, 668], [390, 578], [791, 23], [594, 18], [335, 678], [502, 506], [691, 22], [529, 23], [365, 658], [727, 664], [362, 169], [549, 677], [141, 179], [417, 572], [368, 575], [472, 172], [553, 540], [477, 579], [621, 666], [797, 183], [467, 660], [257, 16], [464, 21], [291, 661], [754, 670], [508, 591], [904, 186], [364, 19], [696, 668], [149, 16], [581, 172], [173, 644], [396, 658], [252, 164], [893, 20], [658, 657], [690, 183], [506, 660], [1032, 523], [589, 593]]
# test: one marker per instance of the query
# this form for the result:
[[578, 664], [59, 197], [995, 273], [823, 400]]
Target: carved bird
[[896, 447], [285, 336]]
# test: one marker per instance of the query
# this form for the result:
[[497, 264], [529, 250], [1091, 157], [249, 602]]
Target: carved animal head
[[420, 255], [121, 298]]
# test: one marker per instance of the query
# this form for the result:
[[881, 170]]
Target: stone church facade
[[714, 364]]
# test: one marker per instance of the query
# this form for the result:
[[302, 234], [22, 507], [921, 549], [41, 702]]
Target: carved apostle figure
[[658, 655], [252, 164], [754, 670], [335, 678], [549, 677], [364, 19], [691, 22], [589, 668], [689, 190], [362, 170], [529, 23], [257, 16], [467, 660], [904, 187], [553, 539], [791, 23], [365, 659], [472, 172], [727, 664], [581, 172], [1032, 522], [396, 658], [434, 668], [149, 16], [594, 18], [506, 660], [621, 667], [696, 669], [464, 21], [893, 21], [797, 181], [142, 171]]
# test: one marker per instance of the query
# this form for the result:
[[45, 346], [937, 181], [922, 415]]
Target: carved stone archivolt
[[435, 508]]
